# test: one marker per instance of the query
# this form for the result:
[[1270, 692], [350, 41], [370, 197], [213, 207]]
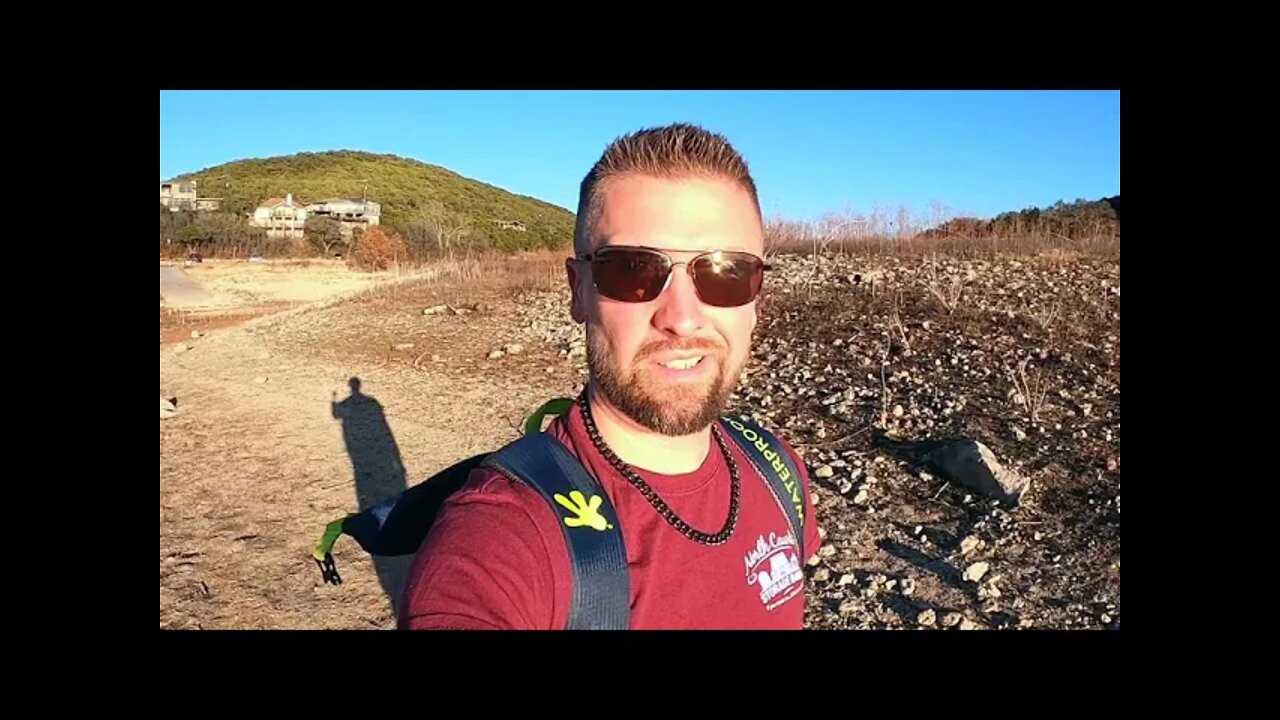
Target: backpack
[[601, 597]]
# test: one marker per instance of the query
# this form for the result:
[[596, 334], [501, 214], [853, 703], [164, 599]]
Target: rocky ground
[[860, 362]]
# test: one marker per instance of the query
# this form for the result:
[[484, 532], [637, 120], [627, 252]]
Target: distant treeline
[[1077, 220]]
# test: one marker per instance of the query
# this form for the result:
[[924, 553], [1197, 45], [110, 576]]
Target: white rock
[[974, 572]]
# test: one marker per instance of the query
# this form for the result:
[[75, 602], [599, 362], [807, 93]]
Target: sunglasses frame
[[671, 263]]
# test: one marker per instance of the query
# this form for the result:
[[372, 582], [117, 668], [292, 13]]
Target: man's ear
[[577, 300]]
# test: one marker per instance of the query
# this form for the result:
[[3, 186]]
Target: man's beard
[[674, 409]]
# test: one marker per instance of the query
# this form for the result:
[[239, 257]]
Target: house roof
[[276, 202], [326, 201]]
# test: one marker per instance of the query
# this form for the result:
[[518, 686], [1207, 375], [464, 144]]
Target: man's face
[[630, 345]]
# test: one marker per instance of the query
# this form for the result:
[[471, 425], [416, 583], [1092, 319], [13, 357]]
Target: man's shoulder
[[494, 508], [498, 479], [493, 558], [489, 485]]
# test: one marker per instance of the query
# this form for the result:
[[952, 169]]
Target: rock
[[861, 497], [967, 624], [826, 551], [514, 349], [972, 464], [435, 310], [825, 471], [952, 619], [898, 411], [261, 379], [990, 590], [495, 354], [927, 618], [403, 346], [969, 544], [168, 408], [822, 575], [846, 579], [908, 586], [974, 572], [196, 334], [849, 607]]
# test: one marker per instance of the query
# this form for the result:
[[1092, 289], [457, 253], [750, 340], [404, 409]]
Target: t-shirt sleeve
[[487, 563]]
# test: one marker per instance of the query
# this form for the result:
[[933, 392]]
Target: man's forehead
[[686, 214], [676, 245]]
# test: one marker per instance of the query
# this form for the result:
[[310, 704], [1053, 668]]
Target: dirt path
[[258, 457]]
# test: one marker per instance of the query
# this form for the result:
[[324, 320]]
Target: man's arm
[[487, 562]]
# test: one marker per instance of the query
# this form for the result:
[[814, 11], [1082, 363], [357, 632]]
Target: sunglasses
[[722, 278]]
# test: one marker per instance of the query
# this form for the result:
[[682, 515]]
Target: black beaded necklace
[[652, 497]]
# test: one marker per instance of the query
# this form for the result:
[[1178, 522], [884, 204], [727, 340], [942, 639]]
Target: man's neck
[[643, 448]]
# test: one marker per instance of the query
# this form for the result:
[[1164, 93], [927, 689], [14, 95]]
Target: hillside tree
[[323, 233]]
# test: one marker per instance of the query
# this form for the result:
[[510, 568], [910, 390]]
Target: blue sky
[[811, 152]]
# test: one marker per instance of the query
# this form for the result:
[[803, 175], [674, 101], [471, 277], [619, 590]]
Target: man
[[668, 332]]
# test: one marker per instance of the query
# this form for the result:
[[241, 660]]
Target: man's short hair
[[677, 151]]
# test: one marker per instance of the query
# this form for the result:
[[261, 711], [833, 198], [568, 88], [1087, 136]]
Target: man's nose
[[680, 312]]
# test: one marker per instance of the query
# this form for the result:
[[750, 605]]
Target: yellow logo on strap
[[585, 513]]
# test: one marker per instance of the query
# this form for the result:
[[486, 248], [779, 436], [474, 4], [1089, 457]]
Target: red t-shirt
[[497, 559]]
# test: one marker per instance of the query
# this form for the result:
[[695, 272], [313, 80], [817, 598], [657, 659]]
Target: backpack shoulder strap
[[601, 597], [777, 468]]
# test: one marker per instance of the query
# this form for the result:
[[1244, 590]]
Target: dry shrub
[[377, 251]]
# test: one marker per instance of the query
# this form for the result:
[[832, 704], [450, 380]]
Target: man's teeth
[[684, 364]]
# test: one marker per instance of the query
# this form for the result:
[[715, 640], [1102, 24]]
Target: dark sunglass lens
[[630, 275], [728, 279]]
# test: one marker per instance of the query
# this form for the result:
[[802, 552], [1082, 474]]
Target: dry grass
[[534, 270], [845, 237], [1030, 390], [895, 319]]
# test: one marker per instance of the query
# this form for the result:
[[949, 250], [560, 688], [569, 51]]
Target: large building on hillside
[[350, 213], [184, 196], [283, 217]]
